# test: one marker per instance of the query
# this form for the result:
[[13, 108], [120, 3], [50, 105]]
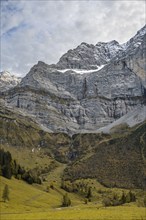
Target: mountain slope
[[20, 131], [115, 160], [130, 119]]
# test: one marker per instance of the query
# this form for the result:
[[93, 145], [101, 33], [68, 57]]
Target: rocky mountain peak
[[89, 56], [5, 75], [136, 41], [7, 80], [142, 31]]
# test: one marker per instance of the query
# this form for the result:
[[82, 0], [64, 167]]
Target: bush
[[18, 177], [48, 189], [106, 202]]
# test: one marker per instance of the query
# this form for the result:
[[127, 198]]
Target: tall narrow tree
[[5, 195]]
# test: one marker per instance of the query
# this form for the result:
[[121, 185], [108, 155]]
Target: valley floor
[[29, 202], [81, 213]]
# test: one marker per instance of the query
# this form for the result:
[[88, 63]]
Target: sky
[[33, 30]]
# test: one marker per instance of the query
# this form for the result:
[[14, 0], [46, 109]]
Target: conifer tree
[[5, 195], [123, 198], [89, 193], [66, 201], [144, 201]]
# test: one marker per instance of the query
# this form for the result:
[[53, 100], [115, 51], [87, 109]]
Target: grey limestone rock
[[90, 87]]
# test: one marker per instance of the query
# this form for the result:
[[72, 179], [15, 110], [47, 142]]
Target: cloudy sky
[[33, 30]]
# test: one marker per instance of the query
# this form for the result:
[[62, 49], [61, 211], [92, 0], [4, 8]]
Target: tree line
[[9, 167]]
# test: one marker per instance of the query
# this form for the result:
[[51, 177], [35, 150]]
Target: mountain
[[8, 81], [89, 116], [90, 87], [117, 159]]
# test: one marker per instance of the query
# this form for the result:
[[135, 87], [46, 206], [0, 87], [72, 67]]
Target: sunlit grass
[[29, 202]]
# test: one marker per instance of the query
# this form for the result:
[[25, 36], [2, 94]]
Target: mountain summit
[[90, 87], [7, 80]]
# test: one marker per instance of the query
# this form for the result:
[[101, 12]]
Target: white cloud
[[44, 30]]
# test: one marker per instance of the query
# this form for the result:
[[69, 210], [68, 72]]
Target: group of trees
[[86, 190], [5, 164], [9, 168], [115, 200], [80, 187]]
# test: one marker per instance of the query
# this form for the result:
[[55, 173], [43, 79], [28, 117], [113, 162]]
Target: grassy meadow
[[33, 202]]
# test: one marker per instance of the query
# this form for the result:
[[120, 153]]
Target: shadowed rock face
[[88, 88]]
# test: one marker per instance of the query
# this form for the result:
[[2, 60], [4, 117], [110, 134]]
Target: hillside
[[115, 160], [19, 131], [33, 202]]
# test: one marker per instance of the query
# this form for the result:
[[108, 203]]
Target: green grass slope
[[31, 202]]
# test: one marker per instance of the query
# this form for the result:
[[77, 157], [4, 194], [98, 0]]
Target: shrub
[[106, 202]]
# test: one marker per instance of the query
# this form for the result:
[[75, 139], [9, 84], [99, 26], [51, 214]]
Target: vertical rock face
[[88, 88]]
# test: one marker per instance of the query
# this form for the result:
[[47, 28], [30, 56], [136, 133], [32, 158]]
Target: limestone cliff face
[[88, 88]]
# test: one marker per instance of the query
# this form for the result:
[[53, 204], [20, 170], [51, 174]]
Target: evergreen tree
[[5, 195], [7, 171], [86, 201], [89, 193], [66, 201], [130, 197], [1, 172], [123, 198], [144, 201]]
